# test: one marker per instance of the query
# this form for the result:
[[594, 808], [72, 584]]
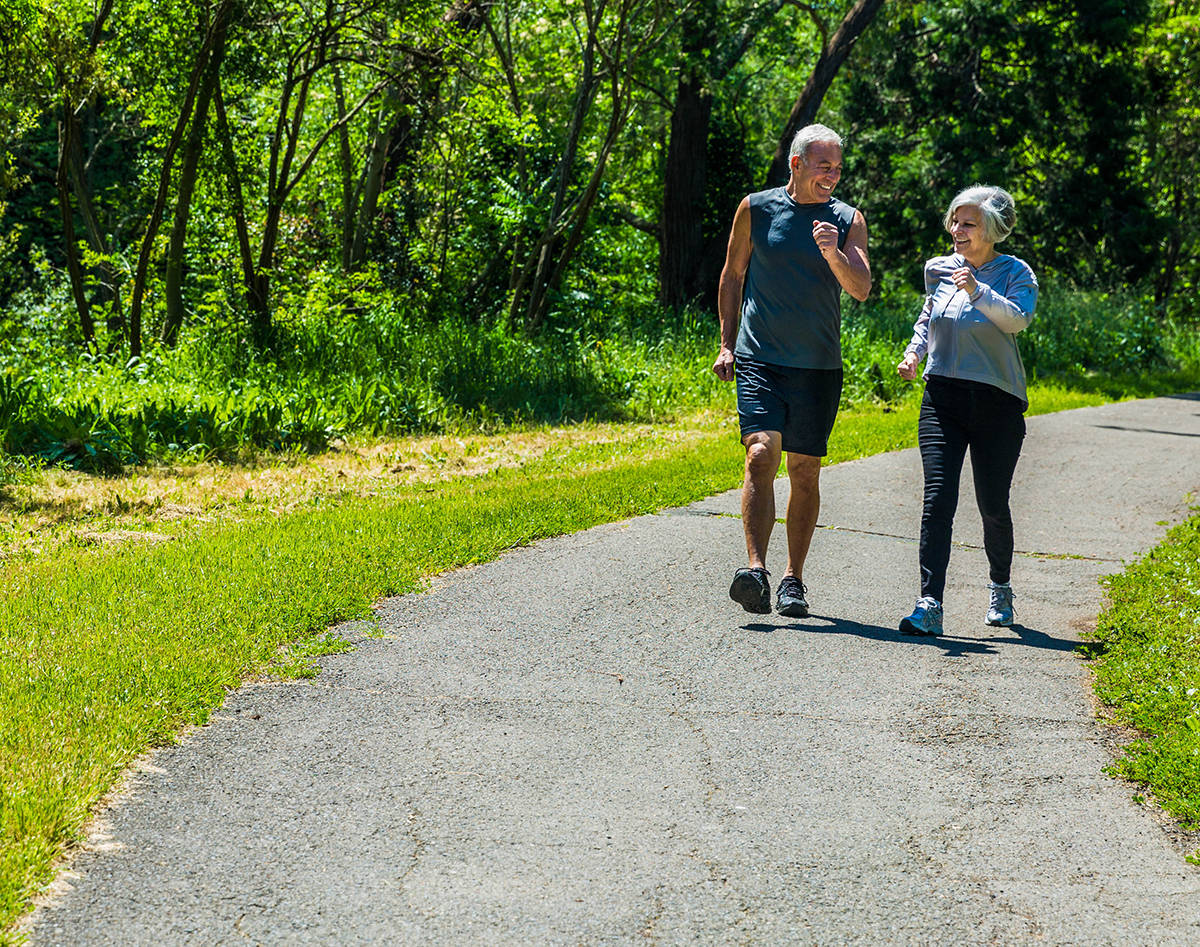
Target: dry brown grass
[[53, 507]]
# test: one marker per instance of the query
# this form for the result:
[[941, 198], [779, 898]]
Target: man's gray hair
[[810, 135], [996, 205]]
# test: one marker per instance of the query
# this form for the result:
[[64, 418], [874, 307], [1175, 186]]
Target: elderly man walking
[[792, 251]]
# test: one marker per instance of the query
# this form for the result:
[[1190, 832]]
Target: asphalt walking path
[[586, 742]]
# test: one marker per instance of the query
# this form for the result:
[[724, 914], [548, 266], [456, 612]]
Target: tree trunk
[[709, 50], [528, 303], [576, 221], [164, 181], [86, 325], [371, 189], [1164, 283], [685, 171], [279, 187], [71, 176], [685, 177], [346, 167], [805, 109], [173, 278], [255, 301], [396, 144], [72, 169]]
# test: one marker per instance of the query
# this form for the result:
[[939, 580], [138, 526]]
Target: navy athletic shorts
[[799, 403]]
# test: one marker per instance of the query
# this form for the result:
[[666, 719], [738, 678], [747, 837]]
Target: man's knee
[[803, 469], [762, 455]]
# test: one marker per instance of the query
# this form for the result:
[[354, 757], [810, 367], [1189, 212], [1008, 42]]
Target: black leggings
[[956, 415]]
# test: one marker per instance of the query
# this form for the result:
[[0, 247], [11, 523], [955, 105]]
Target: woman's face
[[966, 227]]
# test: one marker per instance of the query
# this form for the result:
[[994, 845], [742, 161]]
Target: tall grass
[[365, 363]]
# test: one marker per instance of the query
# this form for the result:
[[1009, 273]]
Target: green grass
[[106, 653], [382, 367], [1149, 671]]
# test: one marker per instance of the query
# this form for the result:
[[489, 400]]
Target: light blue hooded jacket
[[976, 338]]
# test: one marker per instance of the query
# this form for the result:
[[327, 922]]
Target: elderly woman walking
[[976, 302]]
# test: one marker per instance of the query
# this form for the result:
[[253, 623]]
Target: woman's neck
[[983, 259]]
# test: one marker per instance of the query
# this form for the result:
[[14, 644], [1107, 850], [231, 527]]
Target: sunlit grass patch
[[1149, 670], [55, 506]]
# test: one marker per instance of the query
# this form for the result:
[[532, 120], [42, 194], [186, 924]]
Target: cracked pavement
[[586, 742]]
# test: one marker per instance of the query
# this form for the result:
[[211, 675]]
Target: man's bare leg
[[751, 589], [763, 454], [804, 472]]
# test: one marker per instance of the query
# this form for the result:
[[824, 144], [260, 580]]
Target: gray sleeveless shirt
[[791, 301]]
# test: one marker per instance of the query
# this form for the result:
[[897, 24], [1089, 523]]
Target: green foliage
[[347, 359], [491, 132], [14, 470], [1044, 99], [1169, 141], [1077, 332], [1149, 673]]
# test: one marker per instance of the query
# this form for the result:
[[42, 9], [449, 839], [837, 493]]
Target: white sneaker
[[1000, 611]]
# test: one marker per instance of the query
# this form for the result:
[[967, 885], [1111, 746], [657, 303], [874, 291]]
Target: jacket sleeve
[[1011, 310], [919, 345]]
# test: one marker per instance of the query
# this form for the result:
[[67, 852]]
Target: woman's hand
[[907, 369], [964, 279]]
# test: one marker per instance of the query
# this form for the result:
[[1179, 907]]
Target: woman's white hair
[[808, 136], [996, 205]]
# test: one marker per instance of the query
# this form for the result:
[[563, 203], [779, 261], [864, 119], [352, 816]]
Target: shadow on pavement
[[1038, 639], [954, 646], [1146, 430]]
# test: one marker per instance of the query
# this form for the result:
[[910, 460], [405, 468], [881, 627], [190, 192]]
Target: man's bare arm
[[729, 294]]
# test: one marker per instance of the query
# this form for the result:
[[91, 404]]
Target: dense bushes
[[368, 365], [1094, 332]]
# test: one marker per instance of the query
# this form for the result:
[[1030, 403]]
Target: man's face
[[816, 177]]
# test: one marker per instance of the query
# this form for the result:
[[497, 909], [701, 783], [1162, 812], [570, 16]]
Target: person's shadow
[[954, 645]]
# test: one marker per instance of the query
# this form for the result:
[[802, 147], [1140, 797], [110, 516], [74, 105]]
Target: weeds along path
[[586, 742]]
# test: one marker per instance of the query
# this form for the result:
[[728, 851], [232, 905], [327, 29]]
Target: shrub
[[350, 356]]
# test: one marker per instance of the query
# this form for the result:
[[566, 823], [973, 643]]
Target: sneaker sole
[[793, 610], [908, 628], [747, 593], [1000, 624]]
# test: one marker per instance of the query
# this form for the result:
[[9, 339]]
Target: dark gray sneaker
[[751, 590], [790, 600], [926, 618]]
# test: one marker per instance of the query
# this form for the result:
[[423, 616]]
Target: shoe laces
[[790, 585], [1002, 595]]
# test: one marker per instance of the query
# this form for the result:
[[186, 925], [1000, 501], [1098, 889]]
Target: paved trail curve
[[587, 743]]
